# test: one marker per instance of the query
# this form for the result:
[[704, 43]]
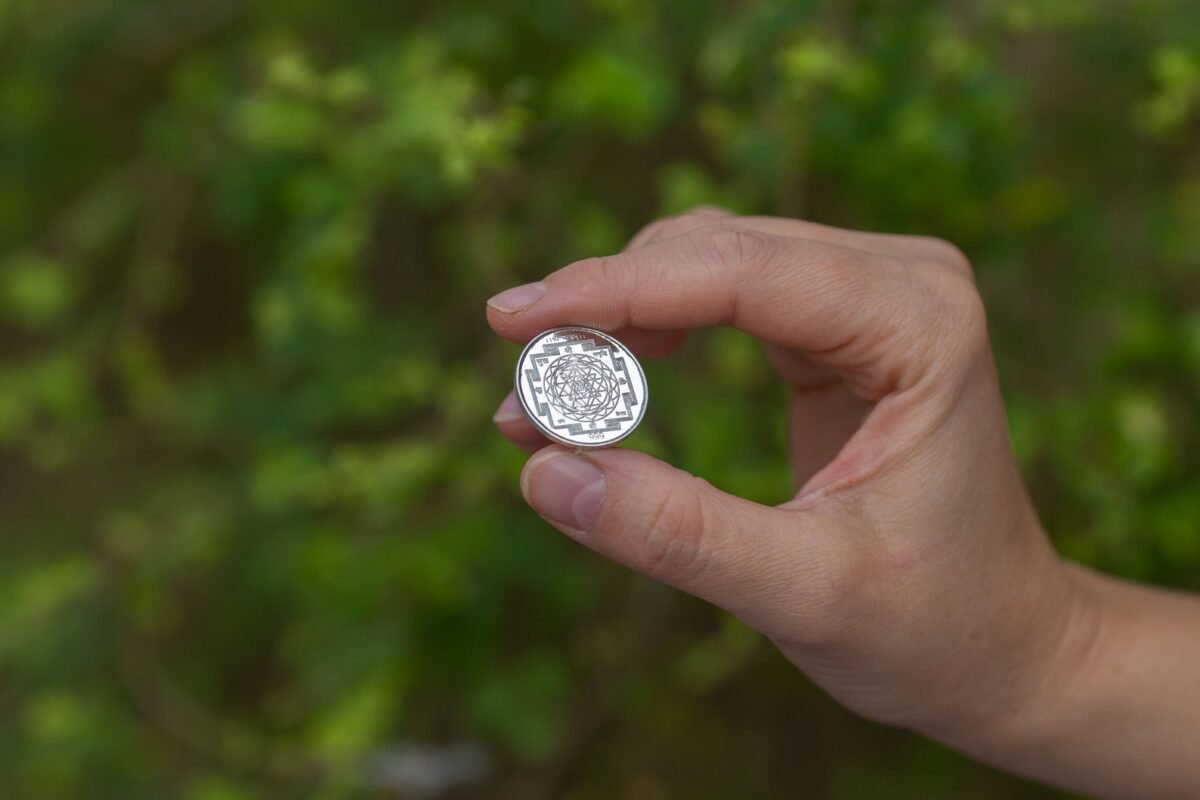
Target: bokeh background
[[258, 538]]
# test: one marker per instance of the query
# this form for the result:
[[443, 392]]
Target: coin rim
[[541, 426]]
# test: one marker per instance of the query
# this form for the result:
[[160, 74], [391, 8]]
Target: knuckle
[[735, 247], [673, 540], [973, 314], [834, 600], [966, 310], [840, 582], [599, 271], [957, 307], [655, 231], [947, 253], [674, 226]]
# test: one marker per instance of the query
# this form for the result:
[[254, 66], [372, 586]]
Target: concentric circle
[[582, 387]]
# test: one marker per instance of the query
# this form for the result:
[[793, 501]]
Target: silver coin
[[581, 387]]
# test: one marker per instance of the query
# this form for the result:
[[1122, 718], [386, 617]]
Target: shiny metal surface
[[581, 387]]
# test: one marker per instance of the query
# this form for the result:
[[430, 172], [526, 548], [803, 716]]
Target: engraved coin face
[[581, 387]]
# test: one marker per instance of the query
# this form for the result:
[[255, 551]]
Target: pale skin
[[909, 576]]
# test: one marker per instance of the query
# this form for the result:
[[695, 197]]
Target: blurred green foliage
[[259, 538]]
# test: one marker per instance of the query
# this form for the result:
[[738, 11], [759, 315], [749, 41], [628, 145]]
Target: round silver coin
[[581, 387]]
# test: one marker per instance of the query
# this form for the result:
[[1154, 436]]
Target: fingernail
[[518, 298], [509, 410], [566, 490]]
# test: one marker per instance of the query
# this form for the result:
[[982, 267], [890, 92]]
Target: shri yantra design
[[581, 387]]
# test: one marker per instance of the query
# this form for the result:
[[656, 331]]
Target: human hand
[[909, 575]]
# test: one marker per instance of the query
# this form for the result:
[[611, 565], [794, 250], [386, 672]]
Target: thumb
[[776, 568]]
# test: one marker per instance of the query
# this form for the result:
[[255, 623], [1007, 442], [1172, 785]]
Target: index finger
[[847, 308]]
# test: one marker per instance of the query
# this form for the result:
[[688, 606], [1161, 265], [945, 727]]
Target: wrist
[[1045, 714]]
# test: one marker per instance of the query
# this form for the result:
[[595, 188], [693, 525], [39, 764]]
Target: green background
[[258, 537]]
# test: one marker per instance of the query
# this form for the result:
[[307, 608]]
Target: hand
[[909, 575]]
